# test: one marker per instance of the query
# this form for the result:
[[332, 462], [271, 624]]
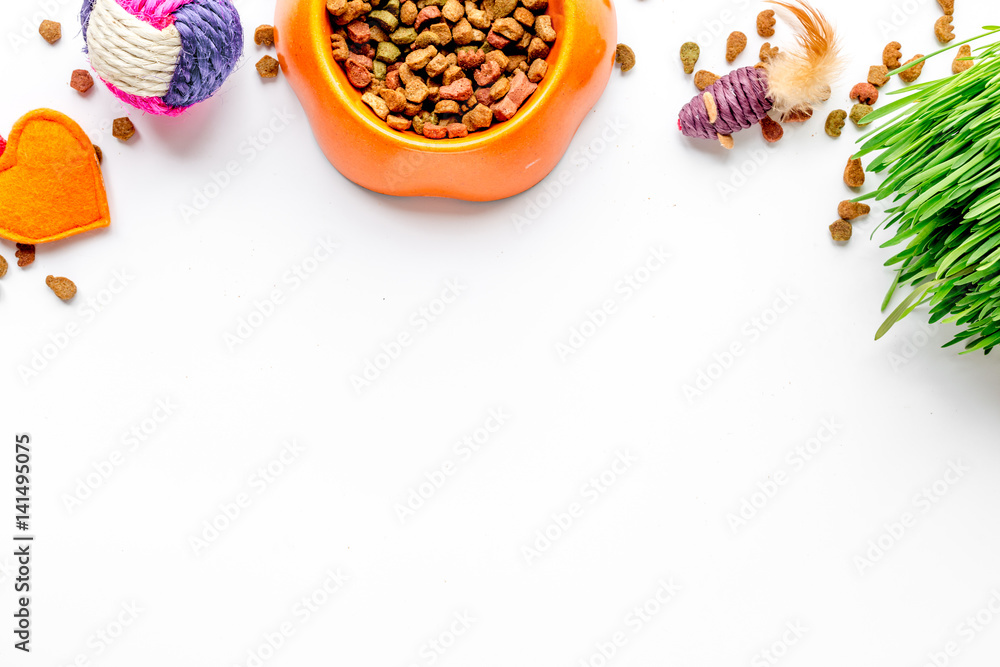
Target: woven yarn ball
[[162, 56]]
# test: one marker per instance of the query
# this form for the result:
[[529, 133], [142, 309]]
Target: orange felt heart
[[50, 182]]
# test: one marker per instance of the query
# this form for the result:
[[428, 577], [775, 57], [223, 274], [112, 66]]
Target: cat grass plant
[[940, 154]]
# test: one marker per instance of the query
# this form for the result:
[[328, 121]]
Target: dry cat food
[[835, 122], [703, 79], [25, 254], [264, 35], [912, 74], [766, 23], [690, 52], [858, 112], [865, 93], [943, 29], [81, 81], [267, 67], [62, 287], [440, 67], [854, 173], [947, 6], [51, 31], [3, 266], [891, 55], [963, 60], [122, 129], [625, 56], [99, 153], [841, 230], [735, 44], [767, 52], [878, 75], [849, 210]]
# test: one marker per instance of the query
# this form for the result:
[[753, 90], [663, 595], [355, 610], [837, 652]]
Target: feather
[[800, 79]]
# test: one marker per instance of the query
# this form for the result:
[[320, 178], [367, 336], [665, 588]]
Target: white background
[[903, 410]]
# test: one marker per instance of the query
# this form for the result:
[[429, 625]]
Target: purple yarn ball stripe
[[741, 97]]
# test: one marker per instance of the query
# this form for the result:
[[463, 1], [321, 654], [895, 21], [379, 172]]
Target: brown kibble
[[122, 129], [849, 210], [267, 67], [735, 44], [3, 266], [99, 153], [341, 51], [891, 55], [62, 287], [963, 60], [703, 79], [841, 230], [771, 130], [625, 56], [798, 116], [947, 6], [835, 122], [25, 254], [912, 74], [943, 29], [858, 112], [854, 173], [81, 81], [765, 23], [264, 35], [865, 93], [51, 31], [538, 70], [878, 75], [690, 52], [767, 52]]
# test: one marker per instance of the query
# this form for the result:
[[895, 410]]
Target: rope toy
[[789, 83], [162, 56]]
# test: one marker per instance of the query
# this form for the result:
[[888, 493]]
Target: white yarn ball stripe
[[132, 55]]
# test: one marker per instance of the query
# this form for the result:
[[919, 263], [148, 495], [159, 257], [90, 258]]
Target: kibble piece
[[99, 153], [499, 89], [267, 67], [703, 79], [398, 123], [479, 118], [835, 122], [51, 31], [544, 29], [849, 210], [841, 230], [912, 74], [771, 130], [858, 112], [767, 52], [798, 115], [62, 287], [963, 60], [735, 44], [947, 6], [765, 23], [377, 104], [943, 29], [341, 51], [625, 56], [690, 52], [891, 55], [3, 266], [264, 35], [122, 129], [854, 173], [25, 254], [454, 11], [81, 81], [878, 75], [865, 93], [408, 12], [537, 70]]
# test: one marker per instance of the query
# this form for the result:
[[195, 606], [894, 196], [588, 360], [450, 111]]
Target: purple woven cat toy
[[162, 56], [788, 83]]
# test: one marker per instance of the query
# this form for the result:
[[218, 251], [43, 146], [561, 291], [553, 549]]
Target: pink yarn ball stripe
[[154, 105], [157, 13]]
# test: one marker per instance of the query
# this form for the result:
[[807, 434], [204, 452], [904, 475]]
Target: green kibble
[[387, 52], [835, 122], [690, 52], [386, 20], [859, 111], [379, 70], [404, 36], [392, 6]]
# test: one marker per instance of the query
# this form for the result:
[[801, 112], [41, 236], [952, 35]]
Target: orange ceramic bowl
[[502, 161]]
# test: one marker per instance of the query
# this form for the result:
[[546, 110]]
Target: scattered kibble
[[798, 116], [943, 29], [771, 129], [891, 55], [963, 60], [912, 74], [264, 35], [51, 31], [61, 287], [267, 67], [865, 93], [690, 52], [841, 230], [735, 44], [99, 153], [122, 129], [765, 23], [835, 122], [25, 254], [625, 56], [858, 112], [854, 173], [703, 79], [767, 52], [81, 81], [3, 266], [878, 75], [849, 210], [947, 6]]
